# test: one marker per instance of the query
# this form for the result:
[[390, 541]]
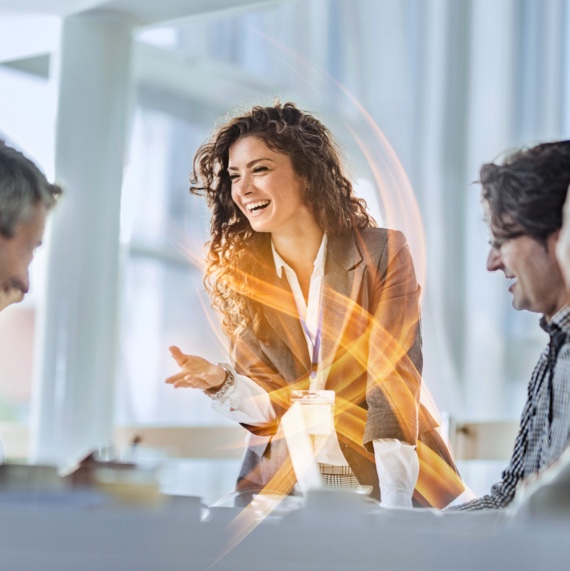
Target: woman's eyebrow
[[251, 163]]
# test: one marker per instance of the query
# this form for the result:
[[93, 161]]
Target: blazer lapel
[[343, 279], [344, 271], [278, 305]]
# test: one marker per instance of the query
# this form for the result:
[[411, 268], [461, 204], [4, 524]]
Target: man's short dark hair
[[525, 193], [22, 187]]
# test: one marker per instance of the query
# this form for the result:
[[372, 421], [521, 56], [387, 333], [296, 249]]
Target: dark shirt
[[545, 424]]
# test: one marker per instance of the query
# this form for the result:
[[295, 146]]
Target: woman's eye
[[259, 169], [234, 177]]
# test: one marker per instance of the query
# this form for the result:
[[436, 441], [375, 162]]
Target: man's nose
[[494, 261], [22, 280]]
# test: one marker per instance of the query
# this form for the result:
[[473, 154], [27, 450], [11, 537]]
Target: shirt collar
[[318, 264], [560, 321]]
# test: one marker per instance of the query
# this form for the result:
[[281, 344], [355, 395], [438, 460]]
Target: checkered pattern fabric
[[337, 476], [344, 470], [545, 424], [338, 481]]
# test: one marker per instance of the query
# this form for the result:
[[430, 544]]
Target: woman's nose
[[244, 186]]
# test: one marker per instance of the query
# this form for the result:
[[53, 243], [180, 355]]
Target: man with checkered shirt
[[523, 199]]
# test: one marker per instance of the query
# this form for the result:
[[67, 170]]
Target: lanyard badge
[[317, 409]]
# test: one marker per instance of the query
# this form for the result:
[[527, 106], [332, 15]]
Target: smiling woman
[[313, 296], [267, 189]]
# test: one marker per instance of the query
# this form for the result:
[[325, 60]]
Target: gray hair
[[22, 187]]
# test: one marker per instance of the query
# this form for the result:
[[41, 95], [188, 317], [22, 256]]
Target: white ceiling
[[146, 12], [31, 29]]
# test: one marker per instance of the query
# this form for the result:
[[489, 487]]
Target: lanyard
[[316, 343]]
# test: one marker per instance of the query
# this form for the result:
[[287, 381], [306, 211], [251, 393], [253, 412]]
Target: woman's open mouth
[[255, 207]]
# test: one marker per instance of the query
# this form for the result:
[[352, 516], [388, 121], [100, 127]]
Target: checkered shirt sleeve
[[544, 429]]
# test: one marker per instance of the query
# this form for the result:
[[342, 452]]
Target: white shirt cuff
[[398, 467], [245, 402]]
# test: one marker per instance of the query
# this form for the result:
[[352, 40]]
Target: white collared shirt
[[309, 314], [396, 462]]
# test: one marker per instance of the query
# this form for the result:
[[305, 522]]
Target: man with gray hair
[[25, 199]]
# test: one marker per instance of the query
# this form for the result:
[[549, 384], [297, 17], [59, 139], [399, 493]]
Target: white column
[[72, 407]]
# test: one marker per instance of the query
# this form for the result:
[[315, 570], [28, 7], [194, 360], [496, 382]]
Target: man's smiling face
[[17, 252], [536, 280]]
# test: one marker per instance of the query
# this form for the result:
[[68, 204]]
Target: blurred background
[[112, 98]]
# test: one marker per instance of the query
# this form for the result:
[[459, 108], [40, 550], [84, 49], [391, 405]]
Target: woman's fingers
[[189, 383], [173, 378], [178, 356], [185, 380], [195, 371]]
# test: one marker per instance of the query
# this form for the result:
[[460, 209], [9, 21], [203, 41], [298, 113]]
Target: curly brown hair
[[234, 248]]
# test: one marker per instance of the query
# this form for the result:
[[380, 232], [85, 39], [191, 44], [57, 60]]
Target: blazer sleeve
[[249, 359], [395, 349]]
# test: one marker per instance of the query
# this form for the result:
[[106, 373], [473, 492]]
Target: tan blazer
[[371, 358]]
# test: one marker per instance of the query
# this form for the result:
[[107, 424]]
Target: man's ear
[[552, 240]]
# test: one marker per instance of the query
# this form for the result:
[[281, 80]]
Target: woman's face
[[266, 188]]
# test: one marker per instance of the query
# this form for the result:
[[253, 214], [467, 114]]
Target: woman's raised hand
[[196, 373]]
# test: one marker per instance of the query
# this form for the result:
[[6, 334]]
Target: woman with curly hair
[[313, 296]]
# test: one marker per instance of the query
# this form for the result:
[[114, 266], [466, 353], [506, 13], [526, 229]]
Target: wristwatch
[[218, 392]]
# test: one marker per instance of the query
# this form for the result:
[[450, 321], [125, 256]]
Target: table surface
[[67, 531]]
